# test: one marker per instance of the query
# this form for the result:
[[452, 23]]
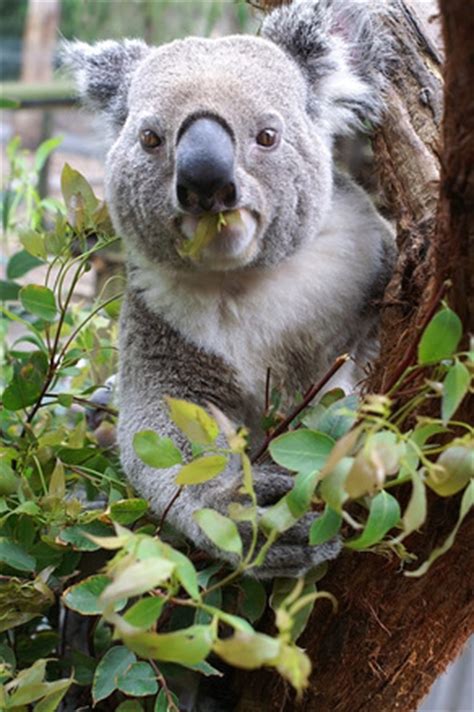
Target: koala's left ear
[[343, 52], [103, 73]]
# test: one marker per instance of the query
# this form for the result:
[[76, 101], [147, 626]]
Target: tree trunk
[[392, 635]]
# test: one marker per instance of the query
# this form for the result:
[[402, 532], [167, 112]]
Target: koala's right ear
[[103, 73]]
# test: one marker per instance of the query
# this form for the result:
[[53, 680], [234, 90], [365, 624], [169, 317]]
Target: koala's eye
[[149, 139], [267, 138]]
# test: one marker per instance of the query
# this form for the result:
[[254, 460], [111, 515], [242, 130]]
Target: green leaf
[[144, 613], [127, 511], [44, 151], [138, 680], [248, 650], [39, 301], [33, 243], [84, 597], [130, 706], [186, 647], [455, 386], [332, 488], [138, 578], [161, 702], [21, 263], [15, 556], [254, 599], [301, 450], [9, 291], [452, 472], [55, 693], [384, 515], [184, 569], [440, 338], [336, 419], [9, 481], [466, 505], [74, 185], [27, 382], [416, 511], [156, 451], [325, 527], [278, 517], [8, 103], [113, 664], [201, 470], [198, 426], [221, 530], [77, 535]]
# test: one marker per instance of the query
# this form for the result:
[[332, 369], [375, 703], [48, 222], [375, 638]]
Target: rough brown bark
[[394, 635]]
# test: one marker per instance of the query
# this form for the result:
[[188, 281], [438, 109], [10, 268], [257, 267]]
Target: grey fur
[[320, 254]]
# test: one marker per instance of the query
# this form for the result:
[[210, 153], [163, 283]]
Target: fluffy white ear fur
[[103, 73], [342, 50]]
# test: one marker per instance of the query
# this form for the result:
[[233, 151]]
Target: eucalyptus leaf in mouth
[[208, 227]]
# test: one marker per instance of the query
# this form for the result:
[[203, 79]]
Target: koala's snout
[[205, 179]]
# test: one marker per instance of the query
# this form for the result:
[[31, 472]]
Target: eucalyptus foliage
[[156, 608]]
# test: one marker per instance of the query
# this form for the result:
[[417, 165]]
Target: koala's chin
[[233, 246]]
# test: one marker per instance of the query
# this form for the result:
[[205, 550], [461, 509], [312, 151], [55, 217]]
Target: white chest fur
[[254, 319]]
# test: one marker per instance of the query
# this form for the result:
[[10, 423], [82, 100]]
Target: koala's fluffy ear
[[103, 73], [342, 50]]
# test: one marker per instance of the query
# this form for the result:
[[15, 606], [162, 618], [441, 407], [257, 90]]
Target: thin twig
[[167, 509], [309, 396], [267, 389], [88, 404], [164, 685]]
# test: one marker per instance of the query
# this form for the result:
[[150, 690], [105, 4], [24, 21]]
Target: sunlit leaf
[[144, 613], [44, 151], [138, 578], [415, 513], [193, 421], [452, 471], [248, 650], [333, 486], [201, 470], [466, 505], [186, 647], [221, 530]]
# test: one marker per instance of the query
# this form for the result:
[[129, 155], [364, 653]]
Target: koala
[[240, 125]]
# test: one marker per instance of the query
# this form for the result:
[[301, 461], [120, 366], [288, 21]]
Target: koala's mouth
[[219, 240]]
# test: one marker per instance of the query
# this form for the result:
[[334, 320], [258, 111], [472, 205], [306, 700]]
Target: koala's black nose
[[205, 178]]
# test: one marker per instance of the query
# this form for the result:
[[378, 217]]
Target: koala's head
[[241, 126]]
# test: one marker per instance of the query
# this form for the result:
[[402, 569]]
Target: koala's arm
[[156, 361]]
